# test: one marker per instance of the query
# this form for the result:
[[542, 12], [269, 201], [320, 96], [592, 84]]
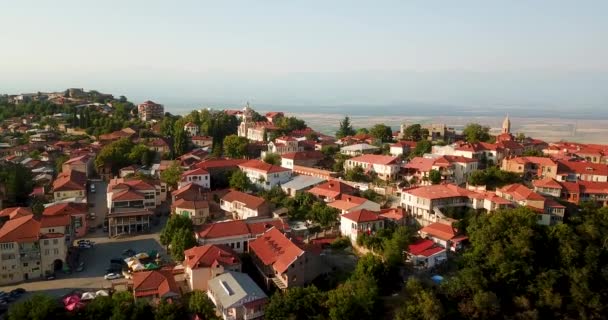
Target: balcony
[[255, 315]]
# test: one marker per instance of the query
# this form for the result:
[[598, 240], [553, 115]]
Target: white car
[[112, 276], [92, 188]]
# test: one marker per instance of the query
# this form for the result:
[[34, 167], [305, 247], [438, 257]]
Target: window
[[55, 241], [238, 245], [56, 251], [46, 242], [25, 264]]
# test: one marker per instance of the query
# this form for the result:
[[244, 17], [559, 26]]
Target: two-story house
[[236, 234], [386, 167], [331, 190], [155, 285], [281, 262], [347, 203], [265, 175], [244, 206], [198, 176], [355, 223], [531, 167], [82, 164], [195, 210], [70, 185], [206, 262], [303, 158]]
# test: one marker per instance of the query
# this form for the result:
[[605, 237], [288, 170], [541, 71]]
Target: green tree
[[199, 304], [115, 154], [345, 129], [139, 153], [174, 224], [99, 308], [38, 208], [296, 303], [414, 132], [382, 132], [37, 307], [169, 311], [180, 141], [17, 180], [362, 131], [240, 181], [272, 158], [235, 146], [420, 303], [172, 175], [355, 299], [474, 132], [356, 174], [372, 195], [323, 214], [435, 176], [422, 147], [182, 240], [59, 161]]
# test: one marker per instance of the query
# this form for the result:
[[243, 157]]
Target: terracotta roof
[[262, 166], [519, 192], [55, 221], [210, 255], [303, 155], [375, 159], [80, 159], [20, 229], [190, 191], [593, 187], [274, 248], [420, 164], [332, 189], [190, 124], [439, 230], [191, 204], [70, 181], [550, 203], [63, 208], [129, 184], [405, 143], [346, 202], [393, 213], [583, 168], [438, 191], [224, 229], [195, 172], [219, 163], [424, 248], [547, 183], [250, 201], [362, 215], [536, 160], [154, 283], [127, 195], [15, 212]]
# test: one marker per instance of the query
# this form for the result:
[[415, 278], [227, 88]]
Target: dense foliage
[[493, 178], [178, 233], [345, 129], [17, 181], [119, 306], [122, 153], [474, 132]]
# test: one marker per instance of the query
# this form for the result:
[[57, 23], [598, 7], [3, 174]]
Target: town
[[108, 207]]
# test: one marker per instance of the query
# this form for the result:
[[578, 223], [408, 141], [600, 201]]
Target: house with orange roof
[[70, 184], [244, 206], [206, 262], [196, 210], [397, 216], [202, 141], [273, 116], [425, 203], [332, 190], [531, 167], [82, 164], [281, 262], [425, 254], [155, 285], [191, 129], [363, 221], [198, 176], [573, 192], [282, 145], [578, 170], [443, 234], [347, 203], [125, 193], [159, 145], [302, 158], [549, 211], [32, 248], [386, 167], [402, 147], [77, 213], [236, 234], [265, 175]]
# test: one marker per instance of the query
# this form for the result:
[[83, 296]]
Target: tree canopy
[[235, 147], [474, 132], [422, 147], [493, 178], [172, 175], [382, 132], [345, 129], [240, 181], [179, 234]]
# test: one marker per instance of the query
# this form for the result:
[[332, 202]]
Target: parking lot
[[96, 260]]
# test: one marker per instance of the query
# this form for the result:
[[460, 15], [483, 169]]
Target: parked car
[[112, 276], [80, 267], [92, 188], [84, 246], [92, 216], [50, 276], [86, 241], [19, 290]]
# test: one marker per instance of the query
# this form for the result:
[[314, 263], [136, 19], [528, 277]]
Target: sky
[[308, 54]]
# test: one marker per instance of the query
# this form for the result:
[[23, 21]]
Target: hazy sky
[[467, 53]]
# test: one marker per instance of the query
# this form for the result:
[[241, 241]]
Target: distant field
[[549, 129]]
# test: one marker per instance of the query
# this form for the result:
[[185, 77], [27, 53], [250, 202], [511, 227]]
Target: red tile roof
[[210, 255], [424, 248], [582, 168], [191, 204], [547, 183], [127, 195], [219, 163], [346, 202], [438, 191], [519, 192], [262, 166], [304, 155], [68, 208], [20, 229], [154, 283], [250, 201], [420, 164], [439, 230], [376, 159], [332, 189], [393, 213], [70, 181], [195, 172], [55, 221], [547, 162], [14, 212], [362, 215], [275, 249], [240, 228]]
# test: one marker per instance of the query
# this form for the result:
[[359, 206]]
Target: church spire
[[506, 125]]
